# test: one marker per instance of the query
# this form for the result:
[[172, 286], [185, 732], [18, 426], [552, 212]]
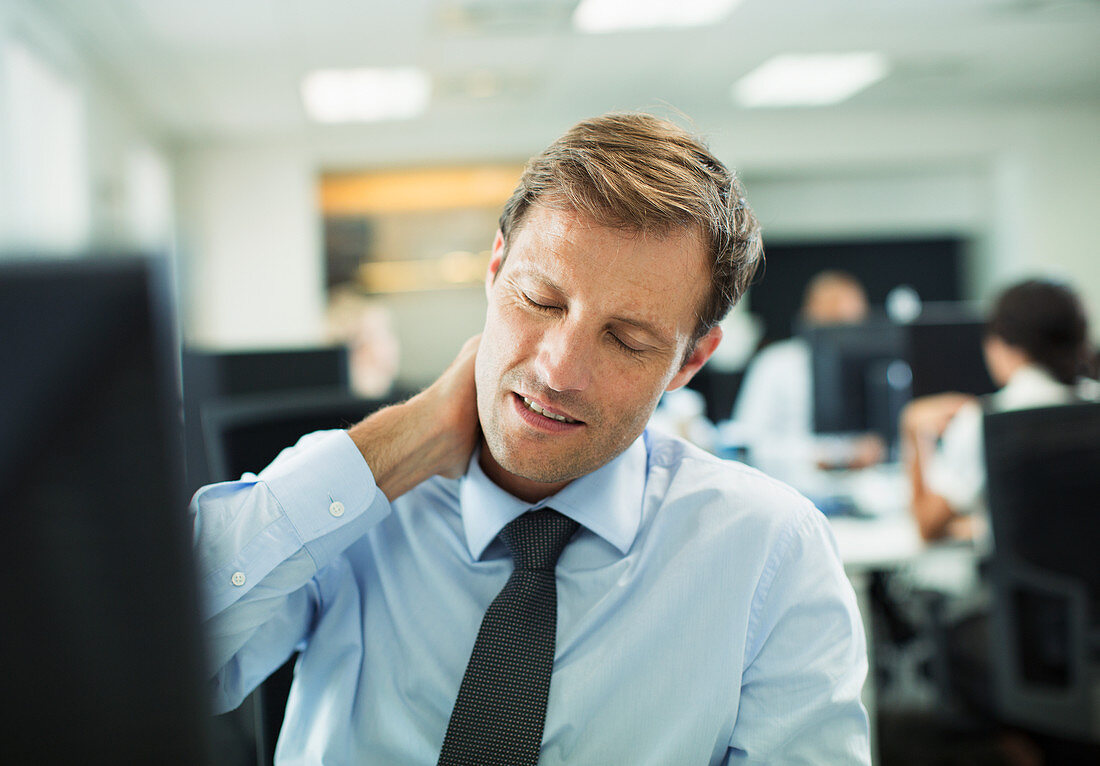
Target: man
[[702, 615], [775, 404]]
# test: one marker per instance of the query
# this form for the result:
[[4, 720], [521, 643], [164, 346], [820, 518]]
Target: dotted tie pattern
[[501, 706]]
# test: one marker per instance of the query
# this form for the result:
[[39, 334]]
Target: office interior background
[[956, 152]]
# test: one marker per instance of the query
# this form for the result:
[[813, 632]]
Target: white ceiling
[[207, 68]]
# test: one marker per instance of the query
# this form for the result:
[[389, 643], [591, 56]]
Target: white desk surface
[[887, 542]]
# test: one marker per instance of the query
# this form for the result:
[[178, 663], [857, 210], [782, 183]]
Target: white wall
[[90, 175], [252, 265], [250, 245]]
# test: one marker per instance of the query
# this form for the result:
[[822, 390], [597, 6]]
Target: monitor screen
[[945, 351], [860, 378], [101, 645]]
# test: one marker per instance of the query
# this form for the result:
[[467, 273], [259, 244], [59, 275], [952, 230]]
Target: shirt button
[[237, 579], [336, 509]]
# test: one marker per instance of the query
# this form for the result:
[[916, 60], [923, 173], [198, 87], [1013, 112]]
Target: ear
[[495, 259], [699, 355]]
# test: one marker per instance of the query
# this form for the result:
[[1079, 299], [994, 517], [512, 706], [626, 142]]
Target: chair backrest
[[211, 375], [1043, 491], [245, 433]]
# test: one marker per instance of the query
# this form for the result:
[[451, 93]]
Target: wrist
[[393, 443], [408, 443]]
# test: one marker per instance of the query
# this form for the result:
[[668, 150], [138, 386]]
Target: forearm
[[264, 543], [931, 511], [933, 515], [260, 541]]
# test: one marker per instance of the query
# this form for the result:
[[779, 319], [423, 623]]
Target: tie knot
[[537, 538]]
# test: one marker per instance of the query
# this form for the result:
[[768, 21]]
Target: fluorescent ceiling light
[[617, 15], [365, 95], [809, 80]]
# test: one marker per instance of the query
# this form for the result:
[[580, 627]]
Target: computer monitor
[[860, 377], [100, 640], [945, 351]]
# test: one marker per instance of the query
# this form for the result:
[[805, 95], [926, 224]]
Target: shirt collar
[[1032, 385], [607, 501]]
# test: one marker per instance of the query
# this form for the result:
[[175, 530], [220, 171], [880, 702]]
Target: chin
[[532, 467]]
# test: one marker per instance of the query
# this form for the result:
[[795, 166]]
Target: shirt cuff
[[328, 494]]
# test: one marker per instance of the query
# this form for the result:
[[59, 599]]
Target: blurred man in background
[[774, 408]]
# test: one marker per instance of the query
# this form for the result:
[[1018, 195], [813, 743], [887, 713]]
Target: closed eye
[[624, 347], [545, 307]]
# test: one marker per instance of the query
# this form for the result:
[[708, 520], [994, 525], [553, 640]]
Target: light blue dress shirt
[[703, 614]]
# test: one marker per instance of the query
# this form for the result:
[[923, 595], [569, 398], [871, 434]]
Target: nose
[[564, 359]]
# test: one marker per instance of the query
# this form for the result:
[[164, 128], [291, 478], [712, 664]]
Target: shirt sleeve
[[957, 469], [806, 659], [260, 541]]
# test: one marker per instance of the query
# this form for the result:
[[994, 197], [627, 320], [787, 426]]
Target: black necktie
[[501, 706]]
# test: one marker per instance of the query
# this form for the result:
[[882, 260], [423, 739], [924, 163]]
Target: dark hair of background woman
[[1047, 321]]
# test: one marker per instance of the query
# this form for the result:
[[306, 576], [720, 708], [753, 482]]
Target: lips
[[534, 407], [543, 417]]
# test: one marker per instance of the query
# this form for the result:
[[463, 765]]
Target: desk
[[876, 544]]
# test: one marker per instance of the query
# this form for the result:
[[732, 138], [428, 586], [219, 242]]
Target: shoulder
[[725, 496], [966, 424], [787, 352], [960, 450], [764, 544]]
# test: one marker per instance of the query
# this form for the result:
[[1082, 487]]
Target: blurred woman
[[1037, 351]]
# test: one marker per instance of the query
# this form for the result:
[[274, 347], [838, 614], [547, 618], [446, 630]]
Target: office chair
[[209, 375], [1044, 502], [245, 433]]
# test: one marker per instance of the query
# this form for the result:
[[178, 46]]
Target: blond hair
[[635, 171]]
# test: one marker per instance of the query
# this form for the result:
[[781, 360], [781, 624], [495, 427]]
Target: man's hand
[[433, 433]]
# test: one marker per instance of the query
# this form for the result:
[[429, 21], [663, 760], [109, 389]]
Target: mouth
[[543, 416], [545, 412]]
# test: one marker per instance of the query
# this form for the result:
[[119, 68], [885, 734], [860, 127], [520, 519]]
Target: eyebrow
[[647, 327]]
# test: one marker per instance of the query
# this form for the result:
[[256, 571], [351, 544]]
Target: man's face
[[586, 327], [836, 303]]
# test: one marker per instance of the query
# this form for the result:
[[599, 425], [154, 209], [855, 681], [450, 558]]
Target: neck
[[1013, 366], [527, 490]]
